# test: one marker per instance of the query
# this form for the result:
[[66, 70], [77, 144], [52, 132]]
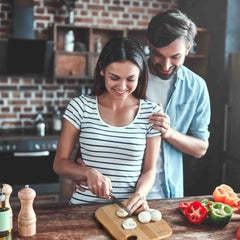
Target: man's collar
[[180, 73]]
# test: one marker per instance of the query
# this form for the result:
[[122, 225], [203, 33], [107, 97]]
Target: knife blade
[[120, 204]]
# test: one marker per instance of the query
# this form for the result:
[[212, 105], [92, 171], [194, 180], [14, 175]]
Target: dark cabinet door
[[232, 132]]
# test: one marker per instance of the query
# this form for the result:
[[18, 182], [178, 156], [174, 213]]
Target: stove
[[24, 140], [27, 159]]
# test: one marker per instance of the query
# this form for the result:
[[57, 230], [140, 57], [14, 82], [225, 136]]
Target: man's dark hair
[[166, 27]]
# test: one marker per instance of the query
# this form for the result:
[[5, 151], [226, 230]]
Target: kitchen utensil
[[121, 205], [113, 224]]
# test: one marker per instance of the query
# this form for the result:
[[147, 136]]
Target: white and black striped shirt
[[116, 152]]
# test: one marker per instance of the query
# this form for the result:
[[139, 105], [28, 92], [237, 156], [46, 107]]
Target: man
[[182, 94], [184, 97]]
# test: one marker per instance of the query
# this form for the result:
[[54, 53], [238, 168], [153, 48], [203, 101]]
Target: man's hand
[[161, 122]]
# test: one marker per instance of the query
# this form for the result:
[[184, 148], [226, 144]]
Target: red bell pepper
[[238, 205], [196, 213], [183, 205]]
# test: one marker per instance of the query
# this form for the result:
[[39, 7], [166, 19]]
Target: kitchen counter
[[62, 221]]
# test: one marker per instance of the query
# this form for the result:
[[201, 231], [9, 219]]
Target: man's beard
[[156, 70]]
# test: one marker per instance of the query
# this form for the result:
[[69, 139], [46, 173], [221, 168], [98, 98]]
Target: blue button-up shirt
[[189, 111]]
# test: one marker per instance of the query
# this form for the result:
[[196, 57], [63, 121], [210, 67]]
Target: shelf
[[81, 62]]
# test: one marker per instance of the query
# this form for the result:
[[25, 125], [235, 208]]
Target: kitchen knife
[[119, 203]]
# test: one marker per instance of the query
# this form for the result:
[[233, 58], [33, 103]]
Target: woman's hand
[[98, 184], [137, 203]]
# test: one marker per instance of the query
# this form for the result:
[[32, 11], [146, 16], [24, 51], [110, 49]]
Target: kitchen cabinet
[[197, 59], [88, 42], [220, 164], [232, 126]]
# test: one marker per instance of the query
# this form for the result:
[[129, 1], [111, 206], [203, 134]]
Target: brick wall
[[21, 98]]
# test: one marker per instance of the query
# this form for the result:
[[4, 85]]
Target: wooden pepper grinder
[[27, 217], [7, 189]]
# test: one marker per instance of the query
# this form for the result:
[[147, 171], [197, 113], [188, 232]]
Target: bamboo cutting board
[[113, 224]]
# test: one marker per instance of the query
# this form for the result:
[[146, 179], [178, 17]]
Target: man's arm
[[184, 143]]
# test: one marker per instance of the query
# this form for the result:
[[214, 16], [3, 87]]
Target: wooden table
[[63, 222]]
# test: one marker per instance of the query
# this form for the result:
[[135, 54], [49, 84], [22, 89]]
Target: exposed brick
[[117, 9], [36, 102], [40, 25], [5, 109], [5, 95], [25, 87], [105, 21], [84, 20], [39, 109], [43, 18], [16, 109], [15, 80], [3, 80], [83, 13], [8, 116], [95, 7], [140, 23], [17, 102], [116, 2], [115, 15], [27, 115], [27, 109], [79, 6], [126, 2], [60, 94], [136, 10], [51, 11], [49, 95], [105, 14], [112, 13], [38, 95], [50, 87], [16, 95], [6, 87], [27, 95], [122, 22], [39, 10], [153, 11], [94, 14]]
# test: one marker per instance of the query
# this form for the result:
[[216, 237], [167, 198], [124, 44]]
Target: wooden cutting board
[[113, 224], [236, 214]]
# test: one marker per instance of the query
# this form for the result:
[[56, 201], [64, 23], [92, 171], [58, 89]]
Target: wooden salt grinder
[[26, 216], [7, 189]]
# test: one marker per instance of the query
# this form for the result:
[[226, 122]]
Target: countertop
[[60, 221]]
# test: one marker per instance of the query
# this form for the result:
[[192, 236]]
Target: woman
[[118, 145]]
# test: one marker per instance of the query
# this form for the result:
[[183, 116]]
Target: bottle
[[5, 215], [69, 41], [26, 217], [57, 121], [7, 190], [41, 125], [98, 45]]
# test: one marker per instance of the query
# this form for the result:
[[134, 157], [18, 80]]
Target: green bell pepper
[[207, 202], [220, 214]]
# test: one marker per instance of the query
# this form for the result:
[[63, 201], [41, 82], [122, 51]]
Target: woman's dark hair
[[121, 49], [166, 27]]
